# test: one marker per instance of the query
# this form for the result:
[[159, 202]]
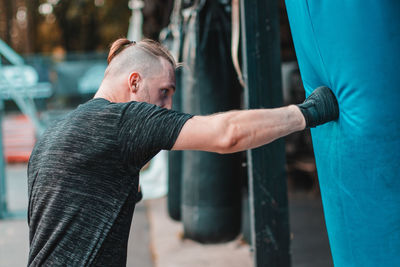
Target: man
[[83, 173]]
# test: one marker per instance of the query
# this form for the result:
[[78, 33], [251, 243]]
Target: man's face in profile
[[159, 88]]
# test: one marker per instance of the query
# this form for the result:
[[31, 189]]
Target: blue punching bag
[[354, 48]]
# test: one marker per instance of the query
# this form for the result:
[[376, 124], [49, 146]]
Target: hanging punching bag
[[172, 37], [353, 47], [211, 182], [175, 163]]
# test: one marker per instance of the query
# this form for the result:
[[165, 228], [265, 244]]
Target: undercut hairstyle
[[144, 55]]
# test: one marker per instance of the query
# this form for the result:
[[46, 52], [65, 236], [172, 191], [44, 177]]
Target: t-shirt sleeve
[[145, 129]]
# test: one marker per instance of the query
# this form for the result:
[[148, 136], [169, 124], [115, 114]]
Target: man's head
[[143, 71]]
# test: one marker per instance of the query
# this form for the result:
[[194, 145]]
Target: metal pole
[[135, 32], [266, 165], [10, 54]]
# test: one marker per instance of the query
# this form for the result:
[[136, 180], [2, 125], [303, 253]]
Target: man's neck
[[113, 92]]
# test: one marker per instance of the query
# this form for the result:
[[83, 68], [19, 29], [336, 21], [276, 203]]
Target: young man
[[83, 173]]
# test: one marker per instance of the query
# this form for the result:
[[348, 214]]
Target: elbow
[[229, 141]]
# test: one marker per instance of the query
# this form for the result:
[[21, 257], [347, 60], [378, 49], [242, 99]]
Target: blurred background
[[199, 209]]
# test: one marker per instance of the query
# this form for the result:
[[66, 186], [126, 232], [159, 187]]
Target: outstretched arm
[[234, 131], [240, 130]]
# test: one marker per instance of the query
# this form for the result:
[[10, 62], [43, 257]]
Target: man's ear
[[133, 82]]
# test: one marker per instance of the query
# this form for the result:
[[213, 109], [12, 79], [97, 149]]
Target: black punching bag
[[172, 38], [211, 182], [175, 164]]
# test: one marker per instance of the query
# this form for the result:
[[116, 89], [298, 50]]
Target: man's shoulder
[[104, 105], [91, 119]]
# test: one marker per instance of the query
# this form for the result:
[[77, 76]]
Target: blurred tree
[[74, 25], [32, 18], [5, 19], [88, 25], [156, 15], [16, 25]]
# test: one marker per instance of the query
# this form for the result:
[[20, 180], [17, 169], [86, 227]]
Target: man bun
[[117, 46]]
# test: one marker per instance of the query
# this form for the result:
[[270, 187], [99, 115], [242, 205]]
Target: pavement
[[157, 241], [14, 238], [309, 244], [170, 249]]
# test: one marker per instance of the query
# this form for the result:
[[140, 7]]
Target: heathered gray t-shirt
[[83, 180]]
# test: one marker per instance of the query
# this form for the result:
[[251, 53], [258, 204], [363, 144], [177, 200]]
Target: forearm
[[253, 128], [234, 131]]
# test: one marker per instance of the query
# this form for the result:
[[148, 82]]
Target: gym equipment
[[172, 37], [353, 48], [211, 193]]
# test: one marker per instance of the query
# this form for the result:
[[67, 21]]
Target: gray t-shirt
[[83, 180]]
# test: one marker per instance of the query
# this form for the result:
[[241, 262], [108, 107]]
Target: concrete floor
[[14, 239], [309, 244], [171, 250], [139, 247]]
